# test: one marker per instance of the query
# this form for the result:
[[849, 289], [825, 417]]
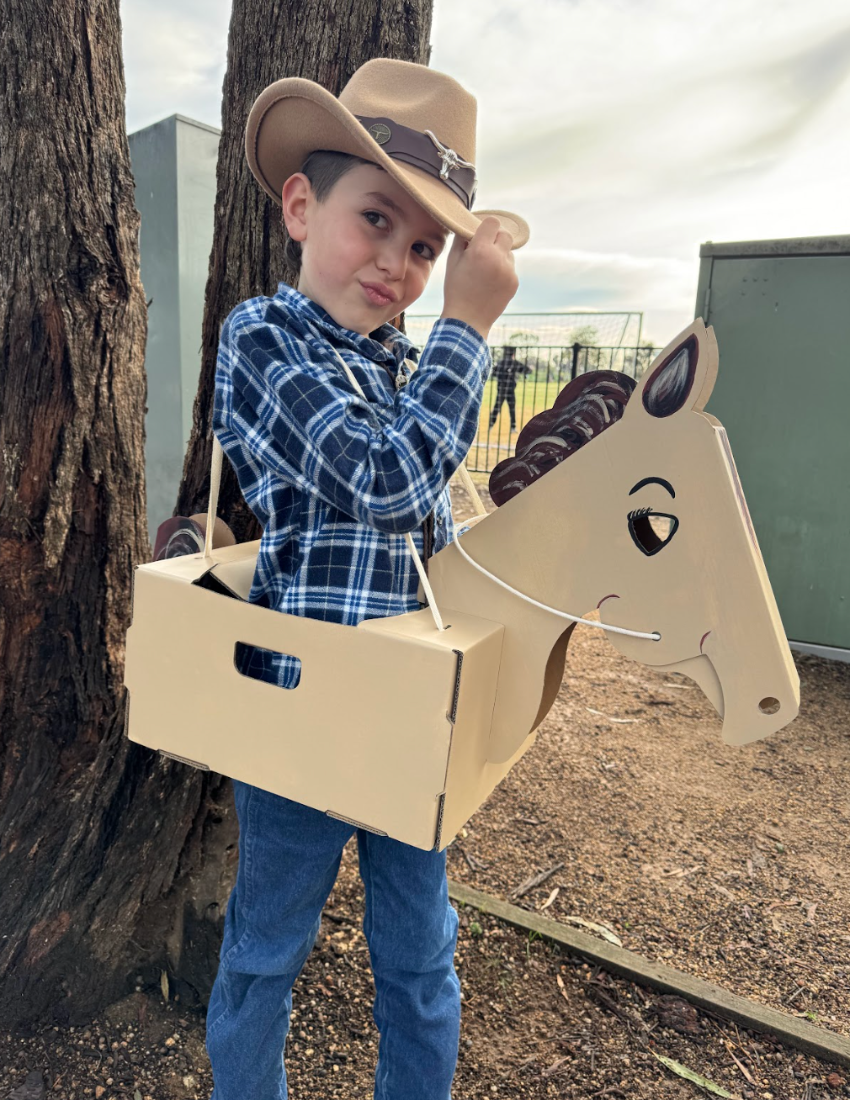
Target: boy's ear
[[294, 198]]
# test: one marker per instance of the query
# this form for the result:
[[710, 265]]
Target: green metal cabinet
[[781, 311]]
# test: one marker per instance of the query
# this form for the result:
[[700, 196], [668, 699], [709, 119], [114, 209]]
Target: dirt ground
[[732, 864]]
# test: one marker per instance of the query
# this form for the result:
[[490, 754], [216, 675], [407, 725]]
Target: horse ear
[[682, 377]]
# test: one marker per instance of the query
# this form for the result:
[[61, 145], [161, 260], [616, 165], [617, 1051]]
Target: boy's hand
[[480, 277]]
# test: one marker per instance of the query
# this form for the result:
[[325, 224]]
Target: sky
[[626, 132]]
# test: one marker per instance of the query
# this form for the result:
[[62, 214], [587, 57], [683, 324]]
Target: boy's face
[[367, 250]]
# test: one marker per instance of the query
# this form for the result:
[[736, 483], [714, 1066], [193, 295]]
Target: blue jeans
[[289, 857]]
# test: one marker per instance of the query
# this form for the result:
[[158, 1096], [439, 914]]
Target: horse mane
[[583, 409]]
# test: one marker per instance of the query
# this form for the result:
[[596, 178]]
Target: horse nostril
[[769, 705]]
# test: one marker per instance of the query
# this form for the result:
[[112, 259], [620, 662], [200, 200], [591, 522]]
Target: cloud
[[557, 279], [174, 59], [625, 132]]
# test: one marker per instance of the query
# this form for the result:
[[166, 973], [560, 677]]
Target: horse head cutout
[[625, 498]]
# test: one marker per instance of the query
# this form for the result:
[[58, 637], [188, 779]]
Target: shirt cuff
[[448, 330]]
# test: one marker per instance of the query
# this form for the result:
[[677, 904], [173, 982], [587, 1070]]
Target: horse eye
[[651, 531]]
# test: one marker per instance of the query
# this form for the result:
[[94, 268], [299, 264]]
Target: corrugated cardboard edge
[[452, 716]]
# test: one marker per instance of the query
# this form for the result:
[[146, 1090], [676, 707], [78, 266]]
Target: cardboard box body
[[388, 727]]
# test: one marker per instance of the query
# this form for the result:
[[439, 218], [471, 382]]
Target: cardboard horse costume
[[624, 501]]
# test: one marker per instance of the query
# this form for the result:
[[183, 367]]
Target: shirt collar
[[385, 344]]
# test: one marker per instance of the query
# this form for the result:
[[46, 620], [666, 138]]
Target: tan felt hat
[[416, 123]]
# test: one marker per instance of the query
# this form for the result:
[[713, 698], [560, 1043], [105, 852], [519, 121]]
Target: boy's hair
[[323, 169]]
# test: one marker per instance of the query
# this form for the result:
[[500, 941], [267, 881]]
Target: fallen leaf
[[550, 899], [619, 721], [31, 1089], [163, 983], [606, 933], [695, 1078]]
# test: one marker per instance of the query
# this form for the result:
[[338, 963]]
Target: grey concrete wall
[[197, 152], [174, 164]]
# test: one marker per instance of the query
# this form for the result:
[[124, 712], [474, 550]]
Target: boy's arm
[[293, 412]]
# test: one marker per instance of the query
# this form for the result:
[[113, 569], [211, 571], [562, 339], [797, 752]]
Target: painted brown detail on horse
[[583, 409]]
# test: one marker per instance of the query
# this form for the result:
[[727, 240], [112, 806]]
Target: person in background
[[505, 372]]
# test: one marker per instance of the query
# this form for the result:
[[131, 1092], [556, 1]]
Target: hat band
[[425, 151]]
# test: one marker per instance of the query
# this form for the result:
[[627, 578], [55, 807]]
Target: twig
[[471, 863], [554, 1067], [535, 880], [740, 1065], [337, 918]]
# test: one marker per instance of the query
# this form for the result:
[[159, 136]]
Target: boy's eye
[[370, 214]]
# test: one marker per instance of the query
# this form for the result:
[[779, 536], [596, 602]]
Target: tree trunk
[[72, 502], [322, 42], [113, 862]]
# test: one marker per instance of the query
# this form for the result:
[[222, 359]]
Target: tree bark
[[322, 42], [114, 863], [72, 501]]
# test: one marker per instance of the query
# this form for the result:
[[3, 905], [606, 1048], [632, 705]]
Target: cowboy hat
[[417, 124]]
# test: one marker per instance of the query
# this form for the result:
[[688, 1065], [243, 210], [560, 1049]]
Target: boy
[[336, 480]]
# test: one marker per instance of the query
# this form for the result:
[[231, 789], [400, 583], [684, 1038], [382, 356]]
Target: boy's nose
[[393, 262]]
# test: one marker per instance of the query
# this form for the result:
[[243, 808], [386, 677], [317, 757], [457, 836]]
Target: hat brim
[[294, 117]]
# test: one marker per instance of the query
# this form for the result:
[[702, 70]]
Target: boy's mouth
[[378, 294]]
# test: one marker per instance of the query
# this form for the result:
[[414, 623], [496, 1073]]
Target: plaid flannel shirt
[[336, 481]]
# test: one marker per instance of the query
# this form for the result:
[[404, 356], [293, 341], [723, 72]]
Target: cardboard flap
[[236, 576], [229, 563]]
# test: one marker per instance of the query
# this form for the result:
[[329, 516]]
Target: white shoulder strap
[[408, 538]]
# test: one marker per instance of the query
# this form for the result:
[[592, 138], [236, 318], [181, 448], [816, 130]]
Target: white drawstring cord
[[654, 637], [426, 584], [408, 538], [472, 489]]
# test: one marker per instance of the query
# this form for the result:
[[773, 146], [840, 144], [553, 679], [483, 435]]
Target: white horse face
[[676, 541]]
